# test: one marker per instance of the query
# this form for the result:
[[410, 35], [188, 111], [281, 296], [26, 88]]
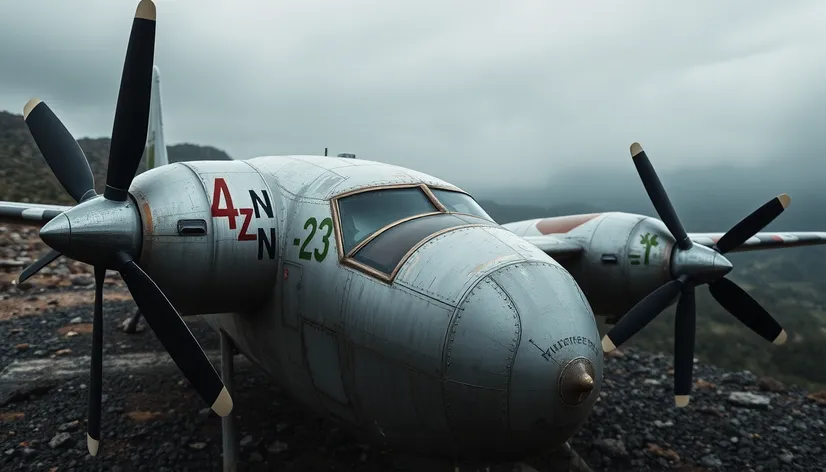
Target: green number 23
[[313, 225]]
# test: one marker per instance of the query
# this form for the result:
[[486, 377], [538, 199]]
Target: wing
[[765, 240], [29, 214], [556, 247]]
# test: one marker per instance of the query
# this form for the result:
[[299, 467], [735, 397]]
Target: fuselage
[[380, 295]]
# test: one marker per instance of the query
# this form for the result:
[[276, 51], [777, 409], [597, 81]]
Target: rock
[[277, 447], [197, 445], [711, 461], [76, 320], [10, 393], [82, 280], [611, 447], [768, 384], [62, 440], [749, 400]]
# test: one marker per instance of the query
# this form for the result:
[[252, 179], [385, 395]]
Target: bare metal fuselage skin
[[460, 354]]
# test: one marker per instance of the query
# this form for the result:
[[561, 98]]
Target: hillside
[[25, 176]]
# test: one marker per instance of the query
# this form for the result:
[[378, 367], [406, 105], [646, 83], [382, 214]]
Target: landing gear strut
[[229, 428]]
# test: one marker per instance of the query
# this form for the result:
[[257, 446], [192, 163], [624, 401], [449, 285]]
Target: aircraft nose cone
[[57, 233], [576, 382]]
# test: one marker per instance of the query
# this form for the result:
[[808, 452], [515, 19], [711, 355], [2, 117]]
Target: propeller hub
[[699, 263], [95, 230]]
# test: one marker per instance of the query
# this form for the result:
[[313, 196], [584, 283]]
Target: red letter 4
[[230, 212]]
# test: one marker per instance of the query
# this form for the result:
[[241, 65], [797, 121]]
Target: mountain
[[25, 176]]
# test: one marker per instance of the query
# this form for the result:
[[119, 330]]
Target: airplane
[[376, 294]]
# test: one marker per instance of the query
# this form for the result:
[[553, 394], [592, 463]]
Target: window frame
[[347, 259]]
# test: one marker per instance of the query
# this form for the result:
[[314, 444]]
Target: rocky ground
[[153, 421]]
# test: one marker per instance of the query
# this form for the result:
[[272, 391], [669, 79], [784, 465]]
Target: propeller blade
[[752, 224], [132, 112], [684, 330], [59, 148], [641, 314], [746, 309], [175, 336], [96, 370], [659, 197], [38, 265]]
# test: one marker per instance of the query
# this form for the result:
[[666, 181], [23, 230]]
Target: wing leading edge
[[765, 240], [554, 246], [29, 214]]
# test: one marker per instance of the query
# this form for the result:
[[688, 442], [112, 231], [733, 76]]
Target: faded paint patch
[[563, 224]]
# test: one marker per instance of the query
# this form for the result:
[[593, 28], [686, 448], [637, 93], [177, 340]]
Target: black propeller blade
[[753, 224], [96, 369], [61, 151], [132, 111], [175, 336], [37, 265], [106, 239], [704, 266]]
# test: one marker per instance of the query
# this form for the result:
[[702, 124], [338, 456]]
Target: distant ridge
[[25, 176]]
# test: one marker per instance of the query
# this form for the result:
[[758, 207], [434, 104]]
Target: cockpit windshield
[[460, 203], [365, 213]]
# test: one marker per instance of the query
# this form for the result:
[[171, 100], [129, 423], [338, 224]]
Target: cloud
[[481, 92]]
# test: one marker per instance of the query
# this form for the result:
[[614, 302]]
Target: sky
[[482, 92]]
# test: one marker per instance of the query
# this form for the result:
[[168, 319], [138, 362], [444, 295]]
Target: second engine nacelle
[[625, 258]]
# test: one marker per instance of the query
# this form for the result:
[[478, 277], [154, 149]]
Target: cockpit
[[379, 227]]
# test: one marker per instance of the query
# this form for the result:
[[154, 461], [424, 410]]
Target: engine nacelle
[[625, 258], [210, 234]]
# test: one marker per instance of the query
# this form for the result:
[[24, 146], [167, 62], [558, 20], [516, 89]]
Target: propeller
[[105, 231], [692, 265]]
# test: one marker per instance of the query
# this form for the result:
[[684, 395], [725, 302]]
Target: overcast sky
[[471, 91]]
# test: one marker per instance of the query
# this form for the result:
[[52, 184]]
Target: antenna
[[325, 151]]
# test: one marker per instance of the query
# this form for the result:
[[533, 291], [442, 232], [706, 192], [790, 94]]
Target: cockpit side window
[[364, 213], [459, 202]]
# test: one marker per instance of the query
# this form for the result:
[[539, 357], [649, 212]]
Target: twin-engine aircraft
[[377, 294]]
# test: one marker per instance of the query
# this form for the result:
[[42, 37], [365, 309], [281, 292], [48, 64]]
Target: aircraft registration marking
[[260, 204], [313, 225], [563, 343]]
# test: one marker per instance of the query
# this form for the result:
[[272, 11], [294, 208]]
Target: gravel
[[154, 421]]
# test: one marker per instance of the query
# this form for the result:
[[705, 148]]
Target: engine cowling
[[625, 257], [227, 220]]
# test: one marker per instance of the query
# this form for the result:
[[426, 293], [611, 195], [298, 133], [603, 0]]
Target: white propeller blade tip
[[781, 338], [607, 344], [146, 10], [635, 149], [784, 200], [92, 444], [29, 106], [222, 406], [681, 400]]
